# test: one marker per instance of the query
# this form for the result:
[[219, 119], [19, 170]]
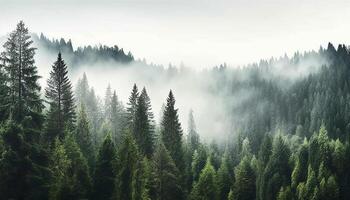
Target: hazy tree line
[[70, 144], [84, 55]]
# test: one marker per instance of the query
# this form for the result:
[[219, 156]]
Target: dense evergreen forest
[[289, 138]]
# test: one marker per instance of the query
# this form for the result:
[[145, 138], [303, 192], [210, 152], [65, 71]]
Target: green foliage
[[165, 182], [171, 132], [84, 138], [59, 94], [206, 187], [23, 166], [143, 129], [78, 184], [23, 98], [59, 164], [277, 172], [105, 172], [198, 161], [128, 157], [285, 194], [223, 178], [244, 187]]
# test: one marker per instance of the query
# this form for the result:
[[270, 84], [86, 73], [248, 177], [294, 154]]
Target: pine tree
[[24, 96], [83, 137], [285, 194], [277, 172], [78, 184], [23, 166], [206, 187], [165, 183], [264, 154], [192, 137], [116, 118], [59, 164], [107, 102], [171, 132], [105, 172], [141, 180], [132, 106], [223, 178], [128, 157], [244, 187], [60, 98], [82, 90], [4, 91], [143, 125], [198, 161]]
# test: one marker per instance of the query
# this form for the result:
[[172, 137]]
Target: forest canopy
[[287, 138]]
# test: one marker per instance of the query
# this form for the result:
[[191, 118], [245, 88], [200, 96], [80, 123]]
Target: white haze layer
[[190, 87]]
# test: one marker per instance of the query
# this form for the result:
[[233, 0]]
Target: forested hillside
[[286, 135]]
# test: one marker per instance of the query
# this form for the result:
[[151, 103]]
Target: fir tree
[[59, 164], [83, 137], [60, 98], [192, 137], [206, 187], [223, 178], [165, 182], [23, 166], [78, 185], [105, 172], [24, 95], [128, 157], [116, 118], [107, 102], [143, 125], [4, 91], [132, 106], [244, 187], [171, 132]]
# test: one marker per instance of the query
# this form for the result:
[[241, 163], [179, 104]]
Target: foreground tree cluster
[[73, 145]]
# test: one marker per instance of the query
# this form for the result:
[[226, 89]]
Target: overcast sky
[[200, 33]]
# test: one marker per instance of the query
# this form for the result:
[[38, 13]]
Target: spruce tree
[[244, 187], [117, 118], [24, 95], [223, 177], [278, 171], [198, 161], [78, 185], [4, 91], [23, 167], [128, 157], [132, 106], [107, 102], [59, 164], [165, 182], [171, 132], [192, 137], [143, 125], [60, 98], [105, 172], [84, 138], [206, 187]]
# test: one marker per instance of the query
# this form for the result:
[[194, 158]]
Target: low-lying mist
[[216, 95]]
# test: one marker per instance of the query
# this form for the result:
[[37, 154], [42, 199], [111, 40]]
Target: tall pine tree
[[171, 132], [24, 95], [105, 171], [59, 94], [143, 125]]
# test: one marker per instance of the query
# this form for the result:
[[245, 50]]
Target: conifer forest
[[277, 129]]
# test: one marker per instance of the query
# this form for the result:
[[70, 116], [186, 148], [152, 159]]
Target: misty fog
[[213, 103]]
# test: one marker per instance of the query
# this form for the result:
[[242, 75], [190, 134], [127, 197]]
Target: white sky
[[201, 33]]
